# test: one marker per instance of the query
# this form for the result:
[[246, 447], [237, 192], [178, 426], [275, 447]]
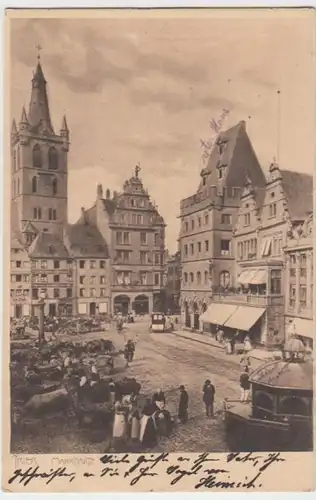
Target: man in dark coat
[[208, 398], [183, 405]]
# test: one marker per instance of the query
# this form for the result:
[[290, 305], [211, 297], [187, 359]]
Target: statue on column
[[137, 170]]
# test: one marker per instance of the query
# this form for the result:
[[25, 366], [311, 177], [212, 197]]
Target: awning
[[260, 278], [218, 313], [303, 327], [244, 317], [243, 278]]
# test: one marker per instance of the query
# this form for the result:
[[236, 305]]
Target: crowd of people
[[144, 421]]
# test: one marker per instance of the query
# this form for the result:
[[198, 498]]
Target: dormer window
[[204, 180], [272, 195]]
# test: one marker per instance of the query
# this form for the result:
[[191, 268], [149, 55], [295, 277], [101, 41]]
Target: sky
[[145, 89]]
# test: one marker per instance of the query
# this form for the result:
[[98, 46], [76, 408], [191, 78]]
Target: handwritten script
[[216, 127], [205, 471]]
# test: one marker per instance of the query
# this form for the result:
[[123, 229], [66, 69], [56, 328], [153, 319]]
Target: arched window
[[224, 279], [18, 159], [18, 187], [198, 278], [14, 189], [205, 277], [54, 186], [185, 277], [34, 184], [52, 159], [37, 156], [293, 405], [191, 278], [264, 401]]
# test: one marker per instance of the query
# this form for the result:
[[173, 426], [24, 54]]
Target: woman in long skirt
[[119, 425], [228, 347], [148, 436], [135, 419]]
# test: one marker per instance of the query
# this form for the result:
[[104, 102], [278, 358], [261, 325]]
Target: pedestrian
[[183, 405], [159, 399], [119, 424], [220, 335], [232, 344], [228, 346], [148, 434], [247, 344], [244, 385], [208, 398], [245, 360]]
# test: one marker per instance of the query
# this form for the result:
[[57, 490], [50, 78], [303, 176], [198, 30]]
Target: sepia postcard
[[158, 183]]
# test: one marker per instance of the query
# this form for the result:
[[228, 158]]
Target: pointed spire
[[39, 108], [14, 129], [64, 131], [64, 125], [24, 123]]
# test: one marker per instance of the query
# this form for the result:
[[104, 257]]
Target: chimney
[[114, 195], [108, 194], [99, 191]]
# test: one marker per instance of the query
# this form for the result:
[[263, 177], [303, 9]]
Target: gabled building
[[266, 219], [135, 233], [51, 275], [91, 268], [208, 218]]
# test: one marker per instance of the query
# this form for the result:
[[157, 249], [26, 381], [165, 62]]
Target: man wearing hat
[[183, 405]]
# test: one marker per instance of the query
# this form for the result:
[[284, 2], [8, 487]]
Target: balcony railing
[[253, 300]]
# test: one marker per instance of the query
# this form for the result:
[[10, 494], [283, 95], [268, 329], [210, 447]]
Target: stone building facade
[[135, 233], [208, 218], [173, 282], [20, 286], [267, 217], [299, 276]]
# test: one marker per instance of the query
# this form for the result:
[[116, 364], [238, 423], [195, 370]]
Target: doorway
[[92, 308], [52, 309], [18, 311], [141, 305], [121, 304]]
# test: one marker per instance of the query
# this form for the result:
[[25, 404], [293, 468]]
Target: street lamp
[[41, 334]]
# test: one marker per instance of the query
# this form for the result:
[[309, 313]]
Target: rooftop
[[48, 245], [85, 240]]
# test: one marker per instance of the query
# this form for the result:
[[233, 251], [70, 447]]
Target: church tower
[[39, 168]]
